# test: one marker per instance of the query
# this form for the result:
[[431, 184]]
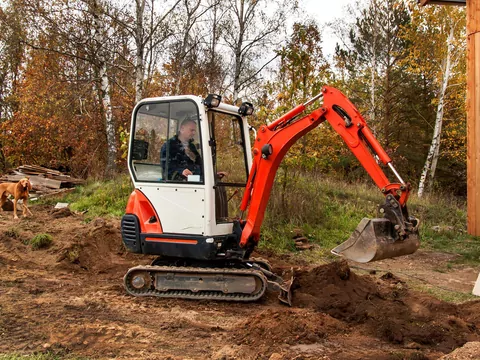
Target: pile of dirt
[[384, 307], [96, 248], [69, 296], [291, 326], [470, 350], [93, 247]]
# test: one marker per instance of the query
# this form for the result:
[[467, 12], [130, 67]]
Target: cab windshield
[[166, 143]]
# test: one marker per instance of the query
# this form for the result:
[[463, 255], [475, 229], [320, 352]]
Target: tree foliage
[[71, 72]]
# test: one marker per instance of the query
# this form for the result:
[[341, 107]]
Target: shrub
[[41, 241]]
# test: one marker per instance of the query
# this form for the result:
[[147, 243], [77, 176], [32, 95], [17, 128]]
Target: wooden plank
[[473, 117], [473, 17], [35, 180], [41, 169], [474, 88], [471, 144], [442, 2]]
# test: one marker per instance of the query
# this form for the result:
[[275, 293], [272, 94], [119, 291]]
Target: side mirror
[[139, 150]]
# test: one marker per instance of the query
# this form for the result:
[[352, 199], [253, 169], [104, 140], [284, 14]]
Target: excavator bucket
[[376, 239]]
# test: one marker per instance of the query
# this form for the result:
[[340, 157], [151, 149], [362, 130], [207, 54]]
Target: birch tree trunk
[[238, 51], [372, 73], [434, 151], [191, 19], [139, 62], [213, 83], [101, 63]]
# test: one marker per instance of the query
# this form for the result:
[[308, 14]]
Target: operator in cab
[[179, 156]]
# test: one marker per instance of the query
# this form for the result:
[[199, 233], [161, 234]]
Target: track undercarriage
[[240, 281]]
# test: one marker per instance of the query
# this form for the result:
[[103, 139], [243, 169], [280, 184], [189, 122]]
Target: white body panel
[[181, 209], [188, 208]]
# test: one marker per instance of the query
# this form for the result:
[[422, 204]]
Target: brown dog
[[19, 191]]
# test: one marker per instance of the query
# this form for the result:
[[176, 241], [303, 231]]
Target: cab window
[[230, 163], [166, 143]]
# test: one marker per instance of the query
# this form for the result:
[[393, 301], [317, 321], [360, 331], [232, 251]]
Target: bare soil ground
[[69, 299]]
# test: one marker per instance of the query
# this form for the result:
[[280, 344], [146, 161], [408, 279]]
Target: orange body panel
[[139, 205], [173, 241]]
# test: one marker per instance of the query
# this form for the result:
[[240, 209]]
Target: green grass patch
[[29, 357], [41, 241], [444, 227], [107, 198], [73, 255], [99, 199], [443, 294], [328, 211], [40, 356]]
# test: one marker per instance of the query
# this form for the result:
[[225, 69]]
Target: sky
[[325, 12]]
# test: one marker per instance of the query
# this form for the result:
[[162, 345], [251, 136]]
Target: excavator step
[[196, 283]]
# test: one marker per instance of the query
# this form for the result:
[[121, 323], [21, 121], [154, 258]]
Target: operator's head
[[188, 129]]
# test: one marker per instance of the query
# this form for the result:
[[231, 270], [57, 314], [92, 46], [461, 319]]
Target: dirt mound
[[60, 213], [77, 246], [385, 307], [470, 350], [68, 298], [97, 248], [291, 327]]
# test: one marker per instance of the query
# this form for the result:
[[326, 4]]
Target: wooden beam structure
[[443, 2], [473, 110], [473, 117]]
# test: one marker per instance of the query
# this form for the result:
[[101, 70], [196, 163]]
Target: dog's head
[[25, 183]]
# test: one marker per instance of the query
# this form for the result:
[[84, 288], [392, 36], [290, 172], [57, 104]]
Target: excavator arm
[[394, 234]]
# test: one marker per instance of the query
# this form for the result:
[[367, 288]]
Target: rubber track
[[201, 295]]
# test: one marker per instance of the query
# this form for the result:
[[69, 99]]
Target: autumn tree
[[85, 35], [251, 32], [12, 53], [216, 68], [302, 72], [149, 27], [374, 56], [50, 126], [437, 52]]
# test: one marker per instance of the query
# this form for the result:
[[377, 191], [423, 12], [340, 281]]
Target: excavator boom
[[394, 234]]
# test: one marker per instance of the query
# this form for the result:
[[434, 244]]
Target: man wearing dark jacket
[[179, 156]]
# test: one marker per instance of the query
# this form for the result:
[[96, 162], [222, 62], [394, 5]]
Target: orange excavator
[[201, 194]]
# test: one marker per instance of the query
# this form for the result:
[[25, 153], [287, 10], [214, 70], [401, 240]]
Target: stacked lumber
[[44, 181]]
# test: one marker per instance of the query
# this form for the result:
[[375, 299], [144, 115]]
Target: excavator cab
[[190, 161]]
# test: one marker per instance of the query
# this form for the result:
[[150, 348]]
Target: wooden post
[[473, 117]]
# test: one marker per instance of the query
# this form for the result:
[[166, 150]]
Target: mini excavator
[[205, 223]]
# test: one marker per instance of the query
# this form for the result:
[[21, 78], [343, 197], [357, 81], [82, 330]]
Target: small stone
[[276, 356]]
